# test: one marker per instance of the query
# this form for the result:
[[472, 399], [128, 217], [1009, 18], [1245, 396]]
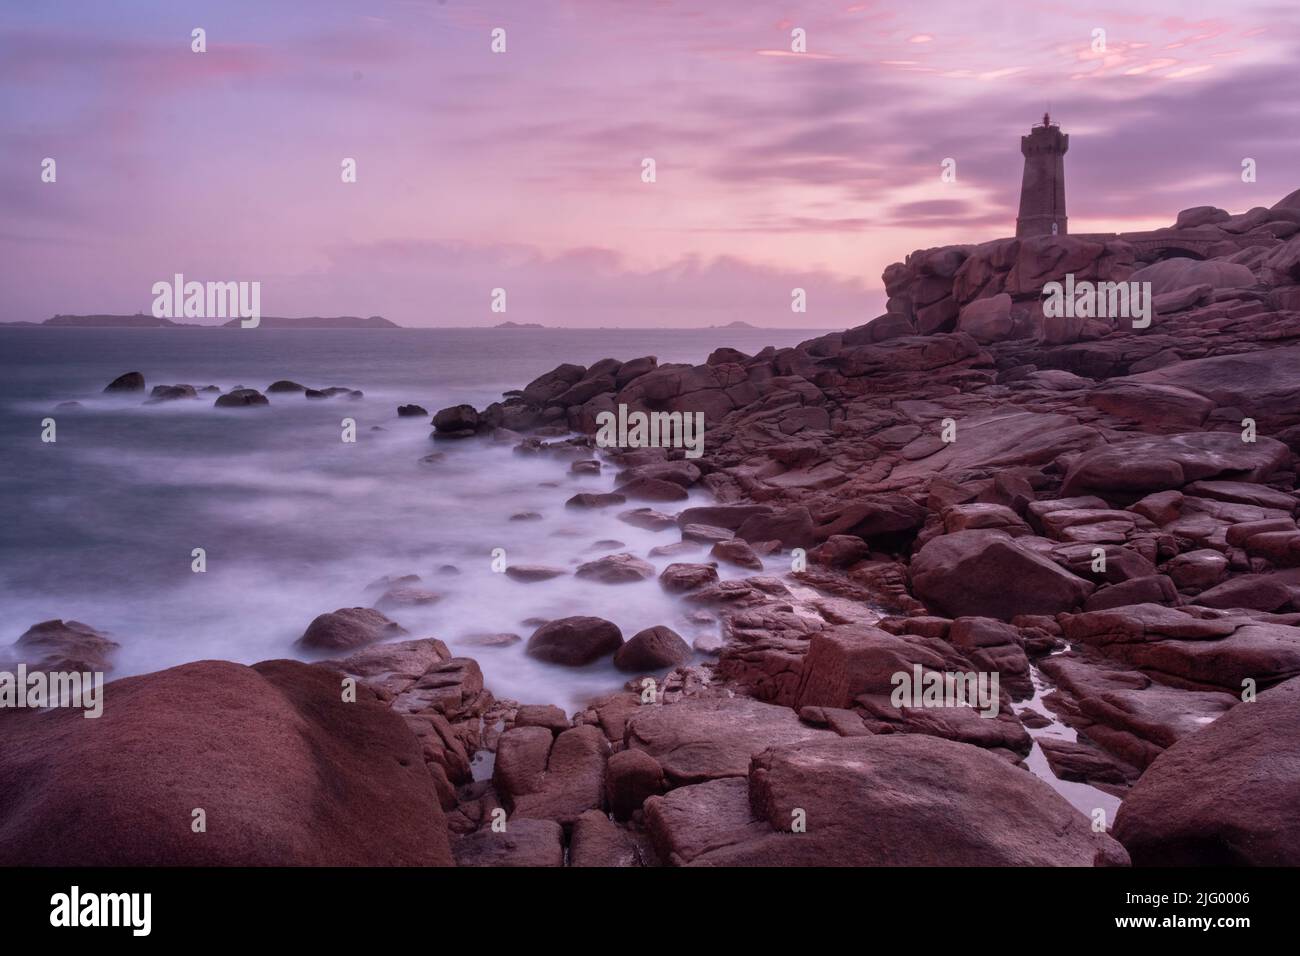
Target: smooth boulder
[[349, 628], [241, 398], [1224, 796], [127, 382], [653, 649], [574, 641], [286, 772]]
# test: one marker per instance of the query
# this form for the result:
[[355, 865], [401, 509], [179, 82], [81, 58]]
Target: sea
[[101, 524]]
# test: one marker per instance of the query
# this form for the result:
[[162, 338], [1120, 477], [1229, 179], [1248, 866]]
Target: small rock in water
[[168, 393], [653, 489], [412, 411], [533, 572], [65, 646], [648, 518], [348, 628], [241, 398], [400, 597], [707, 534], [674, 549], [575, 641], [688, 577], [393, 581], [484, 639], [621, 568], [589, 500], [737, 552], [284, 385], [458, 421], [128, 382]]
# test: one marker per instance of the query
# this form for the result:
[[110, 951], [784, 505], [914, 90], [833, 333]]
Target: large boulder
[[886, 800], [1197, 649], [1201, 216], [456, 420], [573, 780], [1224, 796], [985, 573], [283, 768], [987, 320], [1261, 384], [541, 390], [574, 641], [704, 739], [1138, 466], [1169, 275], [1041, 259]]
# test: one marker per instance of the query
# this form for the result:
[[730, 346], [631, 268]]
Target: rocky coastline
[[1101, 514]]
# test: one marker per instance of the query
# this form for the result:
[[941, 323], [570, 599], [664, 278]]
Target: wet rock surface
[[1100, 515]]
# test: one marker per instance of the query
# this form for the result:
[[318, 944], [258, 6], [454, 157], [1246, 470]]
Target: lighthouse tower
[[1042, 190]]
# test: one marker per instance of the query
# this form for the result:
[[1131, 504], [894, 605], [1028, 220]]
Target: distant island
[[519, 325], [137, 321], [734, 325], [321, 322], [142, 321]]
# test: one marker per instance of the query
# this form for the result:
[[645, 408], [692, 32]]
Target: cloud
[[814, 170]]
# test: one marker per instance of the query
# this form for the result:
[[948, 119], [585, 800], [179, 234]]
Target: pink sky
[[522, 170]]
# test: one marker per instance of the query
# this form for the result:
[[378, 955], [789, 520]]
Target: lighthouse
[[1042, 190]]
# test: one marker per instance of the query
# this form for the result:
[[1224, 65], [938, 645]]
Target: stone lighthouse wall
[[1042, 190]]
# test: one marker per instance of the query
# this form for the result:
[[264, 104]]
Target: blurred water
[[100, 525]]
